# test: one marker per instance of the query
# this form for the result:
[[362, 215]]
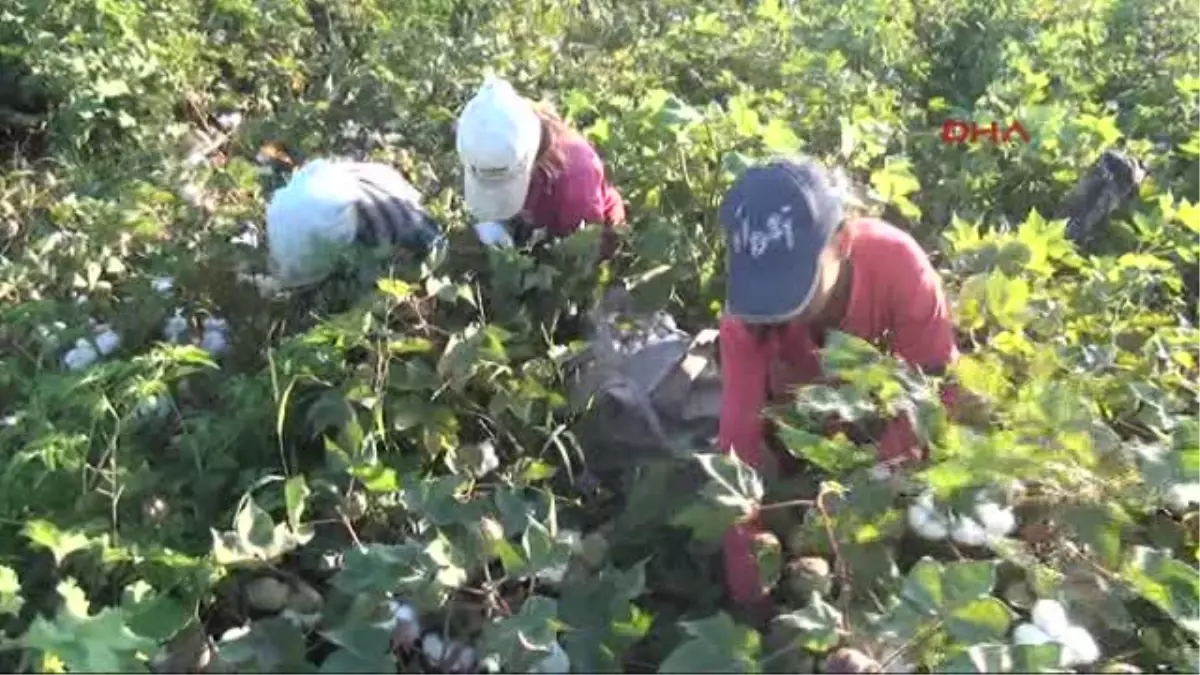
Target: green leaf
[[1170, 584], [814, 628], [1037, 658], [732, 492], [1099, 525], [11, 600], [979, 621], [296, 492], [601, 620], [254, 526], [523, 639], [61, 543], [714, 645], [85, 643], [980, 658], [272, 645], [346, 661], [152, 614]]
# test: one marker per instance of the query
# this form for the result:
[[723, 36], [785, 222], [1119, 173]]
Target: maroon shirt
[[579, 194]]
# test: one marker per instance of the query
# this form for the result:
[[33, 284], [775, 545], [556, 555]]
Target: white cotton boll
[[433, 648], [493, 234], [554, 574], [192, 194], [1182, 496], [214, 342], [998, 521], [462, 659], [162, 284], [50, 334], [213, 323], [82, 355], [489, 664], [488, 460], [1029, 634], [195, 159], [880, 473], [108, 341], [926, 521], [968, 532], [406, 630], [235, 633], [175, 328], [556, 662], [229, 121], [573, 539], [1078, 647], [934, 529], [1050, 616]]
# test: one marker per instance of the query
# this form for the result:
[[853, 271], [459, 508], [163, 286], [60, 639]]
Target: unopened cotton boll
[[1078, 647], [996, 520], [968, 532], [556, 661], [108, 341], [1182, 496], [1029, 634], [82, 355], [1050, 616]]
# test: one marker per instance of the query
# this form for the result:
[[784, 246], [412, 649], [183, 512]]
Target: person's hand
[[494, 234]]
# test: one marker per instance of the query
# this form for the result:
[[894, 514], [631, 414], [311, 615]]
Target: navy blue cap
[[778, 217]]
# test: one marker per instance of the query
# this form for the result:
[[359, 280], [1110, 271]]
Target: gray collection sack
[[647, 390]]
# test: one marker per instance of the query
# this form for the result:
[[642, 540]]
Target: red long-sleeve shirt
[[896, 299], [580, 193]]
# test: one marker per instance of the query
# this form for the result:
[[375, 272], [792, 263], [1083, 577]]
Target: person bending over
[[525, 169], [329, 205], [798, 267]]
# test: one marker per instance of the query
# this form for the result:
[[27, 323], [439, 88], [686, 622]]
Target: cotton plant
[[1050, 624], [988, 522]]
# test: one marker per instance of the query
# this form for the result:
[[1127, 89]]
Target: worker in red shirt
[[798, 268], [524, 167]]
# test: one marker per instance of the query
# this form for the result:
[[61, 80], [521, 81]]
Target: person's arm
[[743, 395], [743, 392], [922, 335]]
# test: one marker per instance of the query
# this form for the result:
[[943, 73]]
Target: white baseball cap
[[315, 209], [498, 138]]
